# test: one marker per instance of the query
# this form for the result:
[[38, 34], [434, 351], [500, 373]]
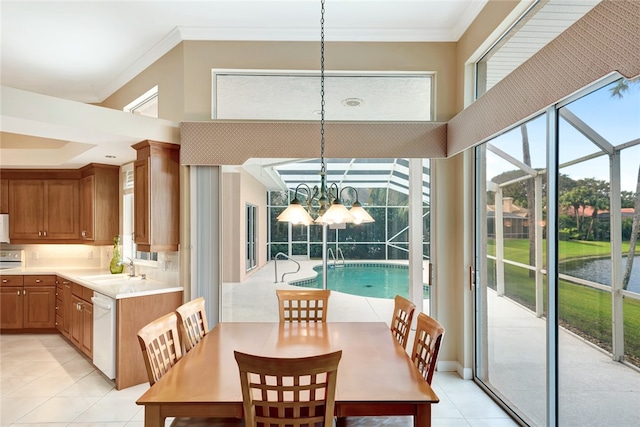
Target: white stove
[[11, 259]]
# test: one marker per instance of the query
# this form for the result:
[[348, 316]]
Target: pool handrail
[[275, 260], [330, 254]]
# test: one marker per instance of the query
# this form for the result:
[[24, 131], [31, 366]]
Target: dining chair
[[401, 321], [161, 350], [279, 392], [160, 346], [192, 322], [424, 355], [426, 345], [305, 305]]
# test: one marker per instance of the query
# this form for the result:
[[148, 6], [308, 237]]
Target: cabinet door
[[26, 208], [11, 307], [87, 207], [59, 307], [87, 329], [4, 196], [141, 224], [75, 330], [62, 209], [67, 305], [39, 307]]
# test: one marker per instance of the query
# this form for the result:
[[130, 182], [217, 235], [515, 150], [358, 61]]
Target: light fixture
[[330, 209]]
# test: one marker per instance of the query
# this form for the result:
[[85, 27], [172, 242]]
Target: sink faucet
[[132, 268]]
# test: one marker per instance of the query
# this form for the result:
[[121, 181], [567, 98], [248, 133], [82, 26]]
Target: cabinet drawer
[[11, 280], [81, 292], [39, 280]]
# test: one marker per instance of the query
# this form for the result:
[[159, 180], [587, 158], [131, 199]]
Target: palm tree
[[618, 91]]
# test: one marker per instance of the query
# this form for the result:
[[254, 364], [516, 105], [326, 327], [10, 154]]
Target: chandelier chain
[[322, 164]]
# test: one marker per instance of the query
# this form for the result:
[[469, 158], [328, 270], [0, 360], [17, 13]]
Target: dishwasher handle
[[101, 302]]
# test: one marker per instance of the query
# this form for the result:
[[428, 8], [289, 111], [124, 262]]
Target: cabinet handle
[[18, 292], [45, 234], [5, 281], [24, 292], [65, 283], [38, 280], [39, 233]]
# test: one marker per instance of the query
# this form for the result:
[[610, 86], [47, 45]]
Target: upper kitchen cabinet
[[44, 210], [4, 196], [99, 203], [156, 196]]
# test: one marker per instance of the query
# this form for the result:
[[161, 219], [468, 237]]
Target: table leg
[[152, 416], [423, 416]]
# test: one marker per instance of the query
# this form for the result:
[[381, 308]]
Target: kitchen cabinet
[[44, 210], [99, 196], [63, 306], [156, 196], [4, 196], [11, 302], [28, 302], [81, 325]]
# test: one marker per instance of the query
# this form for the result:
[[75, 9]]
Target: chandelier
[[330, 209]]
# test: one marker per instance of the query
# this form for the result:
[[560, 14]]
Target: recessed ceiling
[[86, 50]]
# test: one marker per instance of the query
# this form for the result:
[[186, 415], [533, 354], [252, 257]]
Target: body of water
[[599, 270], [375, 280]]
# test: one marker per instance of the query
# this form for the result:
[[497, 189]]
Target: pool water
[[375, 280]]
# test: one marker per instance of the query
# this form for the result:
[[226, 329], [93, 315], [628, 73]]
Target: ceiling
[[85, 50]]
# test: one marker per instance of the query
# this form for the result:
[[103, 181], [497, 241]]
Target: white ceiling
[[86, 50]]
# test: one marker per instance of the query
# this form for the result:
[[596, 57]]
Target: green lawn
[[583, 310], [518, 249]]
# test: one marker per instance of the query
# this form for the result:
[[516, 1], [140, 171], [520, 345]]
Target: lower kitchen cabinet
[[63, 306], [81, 325], [28, 302]]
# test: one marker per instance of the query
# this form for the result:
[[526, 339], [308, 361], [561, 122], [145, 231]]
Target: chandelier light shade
[[295, 214], [330, 209]]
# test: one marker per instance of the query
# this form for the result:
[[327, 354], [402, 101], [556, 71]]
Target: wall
[[55, 258], [238, 189], [233, 226], [168, 74], [184, 74]]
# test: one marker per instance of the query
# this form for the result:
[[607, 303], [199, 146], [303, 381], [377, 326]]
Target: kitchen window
[[129, 249]]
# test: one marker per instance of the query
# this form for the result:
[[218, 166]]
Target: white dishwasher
[[104, 334]]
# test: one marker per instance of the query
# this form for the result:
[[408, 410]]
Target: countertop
[[115, 286]]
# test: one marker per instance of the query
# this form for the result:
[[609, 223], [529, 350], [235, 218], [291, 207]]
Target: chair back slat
[[192, 322], [426, 345], [401, 321], [303, 305], [279, 392], [160, 346]]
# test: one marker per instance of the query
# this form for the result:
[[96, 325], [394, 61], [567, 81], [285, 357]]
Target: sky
[[617, 120]]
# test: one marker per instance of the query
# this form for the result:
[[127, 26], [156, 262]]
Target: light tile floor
[[44, 381]]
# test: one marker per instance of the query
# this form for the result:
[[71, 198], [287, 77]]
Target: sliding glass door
[[558, 295]]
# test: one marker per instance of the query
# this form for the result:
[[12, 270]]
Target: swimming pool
[[377, 280]]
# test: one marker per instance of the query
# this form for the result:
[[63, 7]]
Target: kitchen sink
[[108, 279]]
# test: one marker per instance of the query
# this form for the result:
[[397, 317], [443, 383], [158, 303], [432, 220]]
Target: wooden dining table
[[375, 375]]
